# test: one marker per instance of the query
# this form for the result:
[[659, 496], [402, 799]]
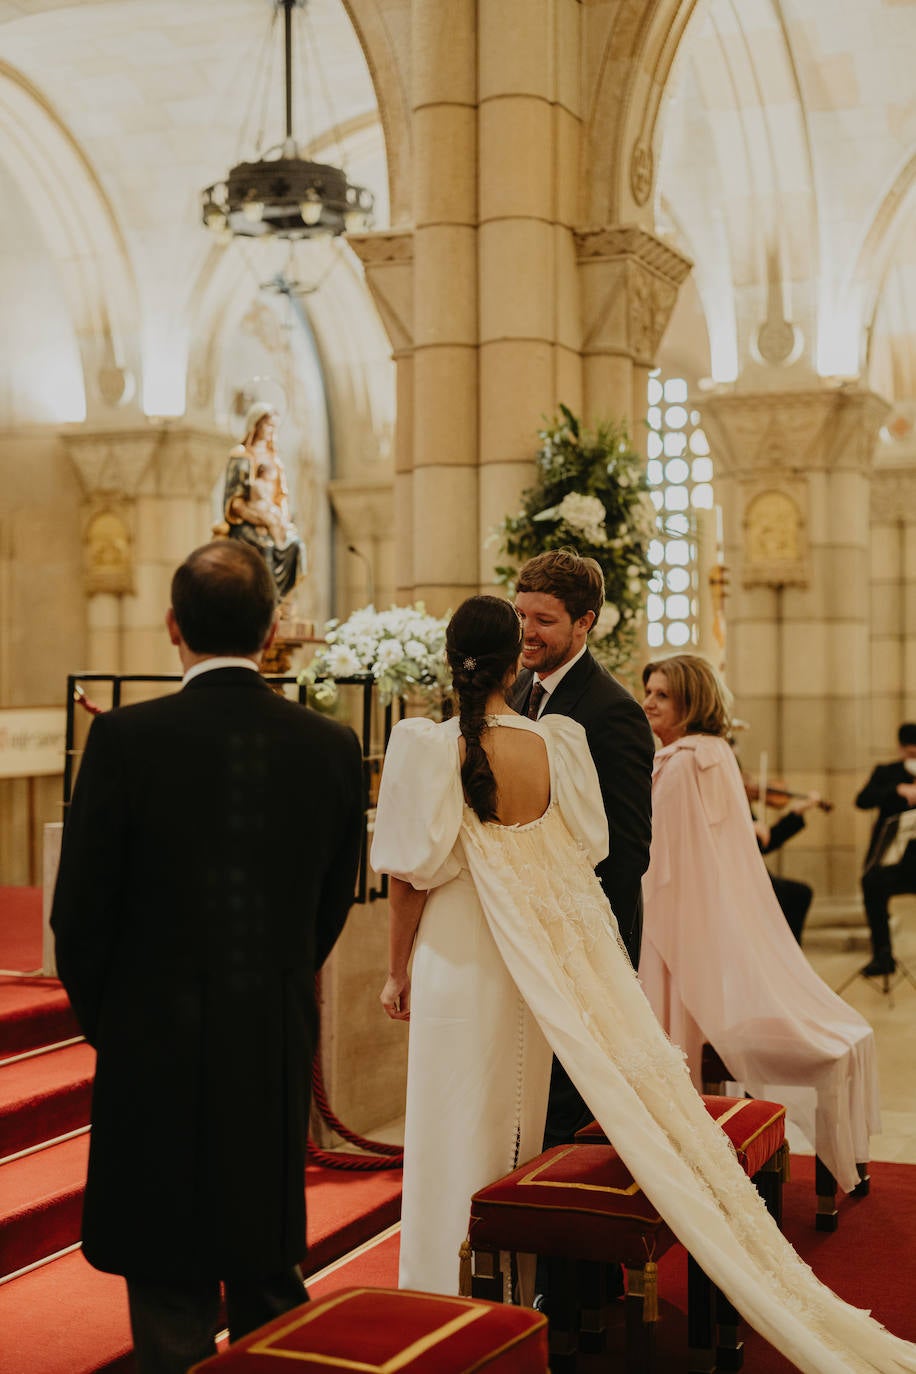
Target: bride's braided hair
[[482, 642]]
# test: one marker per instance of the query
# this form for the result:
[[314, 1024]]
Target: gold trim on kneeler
[[587, 1187], [473, 1311]]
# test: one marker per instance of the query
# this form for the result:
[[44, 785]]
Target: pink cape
[[719, 962]]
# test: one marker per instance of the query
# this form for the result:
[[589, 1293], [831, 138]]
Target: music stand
[[895, 835]]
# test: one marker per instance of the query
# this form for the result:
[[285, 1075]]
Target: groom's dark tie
[[538, 693]]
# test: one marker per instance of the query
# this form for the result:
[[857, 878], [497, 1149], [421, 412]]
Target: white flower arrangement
[[403, 649], [583, 515]]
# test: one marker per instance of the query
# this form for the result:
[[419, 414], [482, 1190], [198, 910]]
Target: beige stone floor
[[836, 955]]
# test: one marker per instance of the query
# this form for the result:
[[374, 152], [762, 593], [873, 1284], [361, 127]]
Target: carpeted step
[[33, 1012], [345, 1209], [45, 1096], [41, 1203], [65, 1318]]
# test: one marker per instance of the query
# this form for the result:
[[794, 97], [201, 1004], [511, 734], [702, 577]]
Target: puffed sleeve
[[420, 805], [576, 789]]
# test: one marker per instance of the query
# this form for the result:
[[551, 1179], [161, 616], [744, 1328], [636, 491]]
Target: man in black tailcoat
[[209, 861], [892, 789], [558, 597]]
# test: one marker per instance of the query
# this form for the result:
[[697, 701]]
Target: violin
[[775, 793]]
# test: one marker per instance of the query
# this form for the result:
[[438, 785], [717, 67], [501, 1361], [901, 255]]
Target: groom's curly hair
[[482, 643]]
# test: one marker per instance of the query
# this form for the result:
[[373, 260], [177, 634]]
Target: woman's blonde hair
[[700, 697]]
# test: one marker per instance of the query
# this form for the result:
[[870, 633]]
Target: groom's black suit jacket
[[209, 861], [622, 747]]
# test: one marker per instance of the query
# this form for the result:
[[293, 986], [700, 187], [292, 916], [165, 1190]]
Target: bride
[[490, 826]]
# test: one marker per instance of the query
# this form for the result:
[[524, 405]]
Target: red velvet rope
[[380, 1155], [80, 697]]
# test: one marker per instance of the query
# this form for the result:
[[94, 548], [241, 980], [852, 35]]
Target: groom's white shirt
[[551, 682]]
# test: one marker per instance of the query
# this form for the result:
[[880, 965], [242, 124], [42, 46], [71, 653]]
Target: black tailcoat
[[209, 861], [881, 791], [622, 747]]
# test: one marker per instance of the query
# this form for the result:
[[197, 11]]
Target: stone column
[[629, 282], [444, 494], [529, 123], [793, 477], [388, 262], [893, 606]]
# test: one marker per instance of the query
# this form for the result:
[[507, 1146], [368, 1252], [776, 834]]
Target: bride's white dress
[[517, 934]]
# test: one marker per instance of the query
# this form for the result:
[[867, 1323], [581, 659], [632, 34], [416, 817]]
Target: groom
[[558, 598]]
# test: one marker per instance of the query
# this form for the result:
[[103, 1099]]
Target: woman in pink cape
[[718, 961]]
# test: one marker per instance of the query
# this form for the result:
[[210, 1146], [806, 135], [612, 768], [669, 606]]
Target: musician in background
[[892, 789], [793, 896]]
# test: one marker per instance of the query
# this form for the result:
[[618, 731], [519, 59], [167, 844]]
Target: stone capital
[[629, 284], [111, 461], [793, 431], [387, 259], [169, 460]]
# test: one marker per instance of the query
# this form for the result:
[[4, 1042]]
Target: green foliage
[[590, 495]]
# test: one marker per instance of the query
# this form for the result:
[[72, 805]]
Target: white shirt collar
[[551, 682], [209, 664]]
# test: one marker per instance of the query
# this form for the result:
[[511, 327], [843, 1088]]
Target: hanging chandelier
[[282, 194]]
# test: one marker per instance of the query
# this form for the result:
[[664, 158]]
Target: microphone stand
[[370, 576]]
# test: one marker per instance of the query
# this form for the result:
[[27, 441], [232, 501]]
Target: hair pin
[[469, 664]]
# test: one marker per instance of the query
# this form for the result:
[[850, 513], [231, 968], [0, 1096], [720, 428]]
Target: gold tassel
[[785, 1166], [650, 1292], [464, 1269]]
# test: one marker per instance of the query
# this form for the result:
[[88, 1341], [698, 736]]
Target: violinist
[[793, 896], [892, 789]]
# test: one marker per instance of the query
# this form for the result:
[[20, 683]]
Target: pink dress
[[720, 964]]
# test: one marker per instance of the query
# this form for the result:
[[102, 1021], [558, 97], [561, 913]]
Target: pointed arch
[[82, 233]]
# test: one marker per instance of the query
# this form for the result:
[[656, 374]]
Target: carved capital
[[794, 431], [188, 461], [111, 461], [630, 281], [388, 262]]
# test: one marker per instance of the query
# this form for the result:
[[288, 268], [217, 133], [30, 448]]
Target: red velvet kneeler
[[385, 1331], [756, 1128]]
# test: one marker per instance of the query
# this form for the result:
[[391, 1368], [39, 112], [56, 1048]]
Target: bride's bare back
[[518, 758]]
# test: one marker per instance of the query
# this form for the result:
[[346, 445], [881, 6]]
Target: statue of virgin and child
[[256, 500]]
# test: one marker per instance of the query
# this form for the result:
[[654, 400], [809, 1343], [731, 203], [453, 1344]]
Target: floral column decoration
[[591, 495]]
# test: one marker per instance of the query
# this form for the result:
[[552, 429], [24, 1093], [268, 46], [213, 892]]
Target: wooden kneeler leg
[[594, 1306], [701, 1320], [769, 1180], [642, 1318], [562, 1315], [827, 1217], [486, 1277]]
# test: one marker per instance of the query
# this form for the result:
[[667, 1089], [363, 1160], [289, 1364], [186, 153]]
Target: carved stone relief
[[775, 534], [108, 547], [641, 173]]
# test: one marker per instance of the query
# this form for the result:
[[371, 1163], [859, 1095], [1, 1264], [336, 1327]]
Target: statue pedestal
[[291, 635]]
